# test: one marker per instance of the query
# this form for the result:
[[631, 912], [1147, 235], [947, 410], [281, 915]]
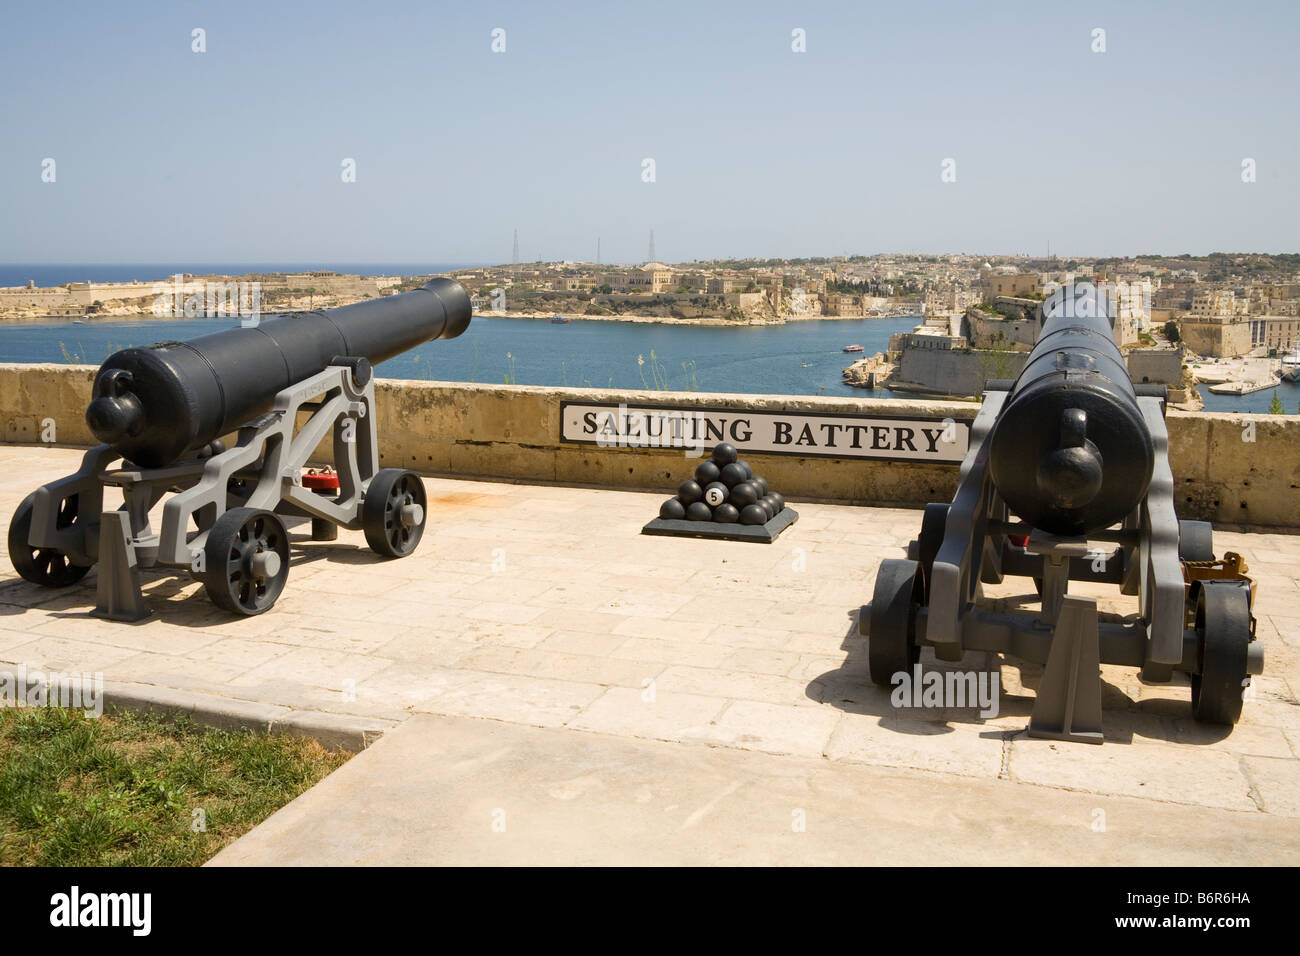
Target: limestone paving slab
[[452, 791], [1173, 774], [545, 606], [657, 715]]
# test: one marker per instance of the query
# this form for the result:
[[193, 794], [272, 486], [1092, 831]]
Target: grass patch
[[124, 790]]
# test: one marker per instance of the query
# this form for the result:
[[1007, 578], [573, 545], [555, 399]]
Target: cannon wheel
[[246, 561], [1222, 640], [929, 542], [891, 641], [1195, 541], [394, 512], [48, 567]]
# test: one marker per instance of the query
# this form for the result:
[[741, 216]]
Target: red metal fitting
[[321, 480]]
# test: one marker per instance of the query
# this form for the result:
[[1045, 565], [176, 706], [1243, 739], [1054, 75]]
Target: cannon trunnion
[[1067, 478], [282, 387]]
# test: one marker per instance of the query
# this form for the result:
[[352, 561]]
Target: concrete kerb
[[331, 731]]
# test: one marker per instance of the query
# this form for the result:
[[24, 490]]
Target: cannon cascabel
[[1070, 452]]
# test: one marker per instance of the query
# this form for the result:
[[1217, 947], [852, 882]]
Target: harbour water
[[1288, 393], [799, 358]]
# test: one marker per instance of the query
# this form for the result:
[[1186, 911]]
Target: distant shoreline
[[100, 319], [708, 320], [712, 321]]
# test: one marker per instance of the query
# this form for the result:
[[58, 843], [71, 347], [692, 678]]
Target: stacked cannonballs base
[[725, 500]]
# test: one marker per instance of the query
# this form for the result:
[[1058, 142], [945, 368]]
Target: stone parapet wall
[[1239, 469]]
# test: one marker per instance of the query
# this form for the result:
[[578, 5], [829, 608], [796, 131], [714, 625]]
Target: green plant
[[996, 358], [79, 357], [659, 372], [1275, 406]]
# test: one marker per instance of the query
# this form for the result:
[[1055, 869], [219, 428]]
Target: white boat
[[1291, 365]]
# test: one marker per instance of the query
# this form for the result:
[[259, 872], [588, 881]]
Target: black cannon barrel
[[1070, 452], [152, 404]]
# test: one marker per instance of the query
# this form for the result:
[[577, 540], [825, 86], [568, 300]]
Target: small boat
[[854, 348], [559, 320]]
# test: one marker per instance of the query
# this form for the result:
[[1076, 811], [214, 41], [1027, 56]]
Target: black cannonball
[[724, 454], [779, 501], [715, 494], [744, 494], [726, 514], [733, 474], [760, 485], [749, 472], [672, 509], [707, 473], [689, 491], [753, 514], [699, 511]]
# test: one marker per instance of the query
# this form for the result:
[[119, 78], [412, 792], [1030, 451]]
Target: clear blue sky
[[234, 154]]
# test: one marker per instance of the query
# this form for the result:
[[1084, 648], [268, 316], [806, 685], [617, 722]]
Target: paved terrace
[[628, 698]]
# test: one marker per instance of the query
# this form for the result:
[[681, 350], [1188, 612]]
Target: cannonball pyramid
[[725, 499]]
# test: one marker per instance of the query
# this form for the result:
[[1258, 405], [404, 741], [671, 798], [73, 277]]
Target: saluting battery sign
[[807, 435]]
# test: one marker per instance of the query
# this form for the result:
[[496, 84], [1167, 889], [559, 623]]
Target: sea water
[[798, 358]]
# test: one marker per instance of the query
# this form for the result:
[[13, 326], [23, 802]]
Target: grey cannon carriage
[[1069, 458], [281, 385]]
